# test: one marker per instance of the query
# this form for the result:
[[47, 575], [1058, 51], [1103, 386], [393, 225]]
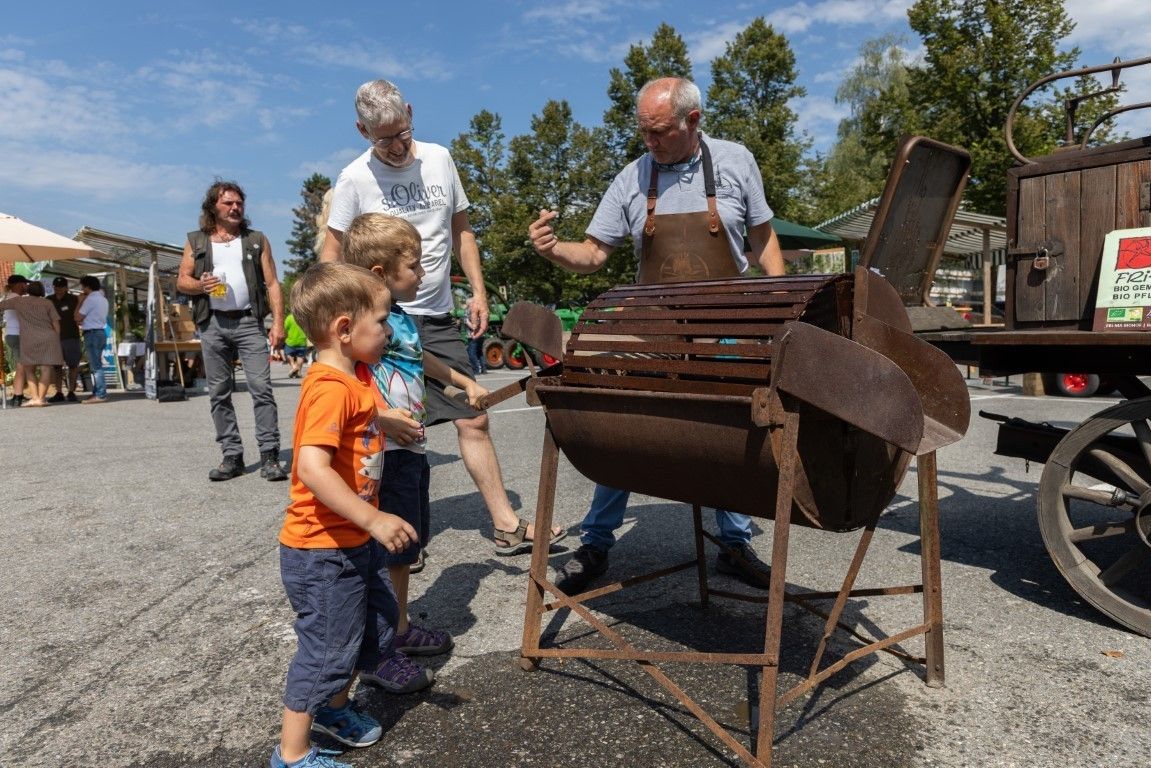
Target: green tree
[[980, 55], [479, 154], [564, 167], [303, 240], [666, 56], [880, 112], [752, 83]]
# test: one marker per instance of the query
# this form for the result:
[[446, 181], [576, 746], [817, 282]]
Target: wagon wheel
[[1095, 511]]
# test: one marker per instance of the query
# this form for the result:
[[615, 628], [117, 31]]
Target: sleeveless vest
[[252, 244]]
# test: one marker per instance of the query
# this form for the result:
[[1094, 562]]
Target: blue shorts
[[346, 615], [295, 351], [404, 493]]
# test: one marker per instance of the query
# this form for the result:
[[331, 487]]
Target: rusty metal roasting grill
[[801, 399]]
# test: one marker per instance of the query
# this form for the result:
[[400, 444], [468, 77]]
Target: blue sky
[[119, 115]]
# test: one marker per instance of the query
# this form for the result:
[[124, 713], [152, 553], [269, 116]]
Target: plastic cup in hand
[[220, 289]]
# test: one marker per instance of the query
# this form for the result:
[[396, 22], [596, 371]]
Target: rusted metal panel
[[923, 191]]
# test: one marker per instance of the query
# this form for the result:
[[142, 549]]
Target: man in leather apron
[[686, 205]]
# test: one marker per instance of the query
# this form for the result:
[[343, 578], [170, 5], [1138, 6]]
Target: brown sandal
[[516, 542]]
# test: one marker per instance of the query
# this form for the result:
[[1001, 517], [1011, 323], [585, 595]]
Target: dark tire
[[1094, 508], [1075, 384], [515, 355], [494, 354]]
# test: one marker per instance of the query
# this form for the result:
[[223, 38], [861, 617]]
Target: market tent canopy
[[794, 236], [972, 235], [21, 241], [128, 256]]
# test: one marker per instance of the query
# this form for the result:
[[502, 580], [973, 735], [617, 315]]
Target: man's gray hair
[[379, 102], [684, 95]]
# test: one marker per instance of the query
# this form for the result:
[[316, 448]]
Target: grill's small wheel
[[1094, 509]]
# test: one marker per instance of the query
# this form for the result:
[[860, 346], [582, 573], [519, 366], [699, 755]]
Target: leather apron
[[685, 246]]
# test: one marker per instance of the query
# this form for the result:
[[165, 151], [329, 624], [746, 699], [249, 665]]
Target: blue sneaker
[[348, 726], [311, 760]]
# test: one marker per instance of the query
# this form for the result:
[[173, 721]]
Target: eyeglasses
[[386, 141]]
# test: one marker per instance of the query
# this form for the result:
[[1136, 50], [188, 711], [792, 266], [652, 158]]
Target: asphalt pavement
[[146, 624]]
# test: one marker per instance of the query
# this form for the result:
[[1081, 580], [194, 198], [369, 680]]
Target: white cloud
[[818, 117], [1113, 27], [330, 166], [101, 176], [44, 110]]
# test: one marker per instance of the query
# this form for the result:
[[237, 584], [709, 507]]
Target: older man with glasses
[[418, 181]]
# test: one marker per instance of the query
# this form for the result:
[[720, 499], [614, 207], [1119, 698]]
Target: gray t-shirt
[[738, 195]]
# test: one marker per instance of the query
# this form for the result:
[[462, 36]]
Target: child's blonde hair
[[379, 240], [327, 290]]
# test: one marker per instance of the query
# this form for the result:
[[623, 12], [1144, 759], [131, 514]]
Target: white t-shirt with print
[[427, 193]]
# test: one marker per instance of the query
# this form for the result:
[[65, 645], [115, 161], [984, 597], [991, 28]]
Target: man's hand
[[478, 314], [276, 334], [542, 234], [393, 532], [399, 425], [208, 281]]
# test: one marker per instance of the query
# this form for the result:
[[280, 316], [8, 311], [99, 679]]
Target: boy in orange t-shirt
[[335, 579]]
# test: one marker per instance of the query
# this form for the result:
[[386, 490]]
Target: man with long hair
[[228, 271]]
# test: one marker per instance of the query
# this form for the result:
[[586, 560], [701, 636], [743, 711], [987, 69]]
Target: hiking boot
[[311, 760], [419, 641], [57, 398], [231, 466], [270, 466], [399, 674], [347, 725], [741, 562], [575, 575]]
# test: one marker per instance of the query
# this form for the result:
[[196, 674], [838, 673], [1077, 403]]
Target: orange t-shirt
[[335, 411]]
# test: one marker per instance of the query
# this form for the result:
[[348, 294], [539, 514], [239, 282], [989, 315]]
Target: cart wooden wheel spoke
[[1095, 511]]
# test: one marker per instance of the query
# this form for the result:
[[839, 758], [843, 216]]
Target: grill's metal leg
[[545, 506], [929, 557], [776, 592], [700, 555]]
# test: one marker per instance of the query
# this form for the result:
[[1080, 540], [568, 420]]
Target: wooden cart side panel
[[1063, 206], [1097, 218], [1130, 178], [1031, 216]]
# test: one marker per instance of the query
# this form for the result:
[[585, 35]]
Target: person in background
[[18, 286], [295, 346], [70, 345], [92, 316], [227, 269], [39, 340], [687, 204]]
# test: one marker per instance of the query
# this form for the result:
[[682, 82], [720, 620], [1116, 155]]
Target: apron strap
[[652, 194], [708, 188]]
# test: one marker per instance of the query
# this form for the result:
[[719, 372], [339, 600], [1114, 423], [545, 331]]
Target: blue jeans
[[606, 515], [476, 355], [94, 341], [346, 614]]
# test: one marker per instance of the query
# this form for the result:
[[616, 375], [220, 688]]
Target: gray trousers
[[223, 340]]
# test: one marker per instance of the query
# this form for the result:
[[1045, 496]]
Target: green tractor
[[499, 351]]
